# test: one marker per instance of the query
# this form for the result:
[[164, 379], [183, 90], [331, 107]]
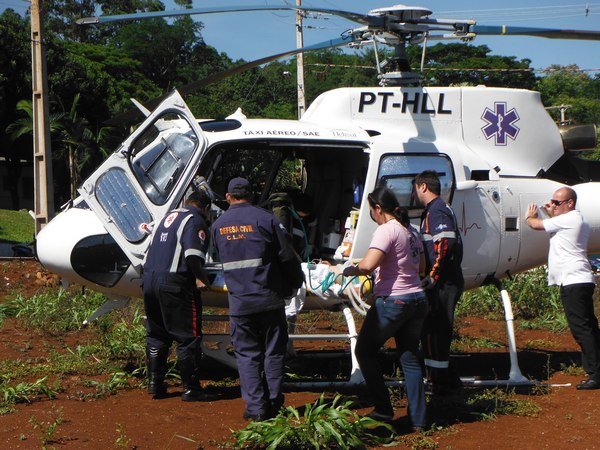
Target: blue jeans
[[400, 317]]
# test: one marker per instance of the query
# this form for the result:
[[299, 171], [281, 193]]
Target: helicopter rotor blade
[[346, 39], [355, 17], [350, 37], [551, 33]]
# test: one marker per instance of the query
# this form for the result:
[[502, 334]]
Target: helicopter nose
[[56, 241], [587, 204]]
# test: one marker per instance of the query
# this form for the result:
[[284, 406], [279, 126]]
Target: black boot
[[190, 379], [275, 405], [156, 360]]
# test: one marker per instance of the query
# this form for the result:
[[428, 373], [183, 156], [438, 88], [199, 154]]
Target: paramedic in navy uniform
[[255, 250], [171, 281], [443, 281]]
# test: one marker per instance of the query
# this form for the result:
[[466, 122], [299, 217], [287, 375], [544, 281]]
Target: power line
[[470, 69]]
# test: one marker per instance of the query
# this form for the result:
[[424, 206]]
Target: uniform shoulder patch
[[170, 218]]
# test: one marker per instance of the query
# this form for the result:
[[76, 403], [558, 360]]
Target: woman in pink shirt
[[396, 257]]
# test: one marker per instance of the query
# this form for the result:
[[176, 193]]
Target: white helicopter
[[495, 149]]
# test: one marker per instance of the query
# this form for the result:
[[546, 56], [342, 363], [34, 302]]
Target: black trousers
[[578, 303], [438, 327], [173, 313]]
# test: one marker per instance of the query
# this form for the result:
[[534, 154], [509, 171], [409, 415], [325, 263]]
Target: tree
[[567, 85], [460, 64], [163, 50], [15, 84], [75, 138]]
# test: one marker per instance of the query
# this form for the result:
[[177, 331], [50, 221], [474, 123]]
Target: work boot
[[444, 382], [190, 379], [156, 361], [274, 406]]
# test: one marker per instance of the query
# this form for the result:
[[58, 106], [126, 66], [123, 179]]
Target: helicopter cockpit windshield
[[160, 154]]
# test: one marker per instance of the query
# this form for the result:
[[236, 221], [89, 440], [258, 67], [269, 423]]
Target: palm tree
[[22, 128], [24, 125], [82, 143], [77, 138]]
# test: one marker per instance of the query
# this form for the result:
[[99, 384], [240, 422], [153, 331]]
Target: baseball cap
[[239, 186]]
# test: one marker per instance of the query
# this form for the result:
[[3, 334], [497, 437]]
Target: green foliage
[[16, 226], [83, 360], [323, 425], [503, 71], [567, 85], [23, 392], [572, 369], [122, 440], [173, 48], [540, 343], [123, 336], [532, 300], [419, 441], [116, 381], [48, 429], [494, 402], [469, 342], [7, 309], [57, 312]]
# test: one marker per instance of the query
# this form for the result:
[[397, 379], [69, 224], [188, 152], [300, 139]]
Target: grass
[[47, 429], [53, 313], [23, 393], [534, 303], [16, 226], [115, 342], [491, 403], [467, 342], [572, 369]]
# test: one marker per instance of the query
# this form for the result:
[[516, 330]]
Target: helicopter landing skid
[[217, 346]]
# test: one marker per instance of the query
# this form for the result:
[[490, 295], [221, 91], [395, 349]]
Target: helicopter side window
[[122, 204], [396, 172], [99, 259], [161, 154]]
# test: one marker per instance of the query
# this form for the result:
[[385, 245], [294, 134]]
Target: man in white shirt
[[569, 268]]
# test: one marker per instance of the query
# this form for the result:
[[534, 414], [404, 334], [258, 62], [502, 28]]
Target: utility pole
[[42, 155], [300, 61]]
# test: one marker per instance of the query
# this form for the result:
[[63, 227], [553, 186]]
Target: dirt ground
[[568, 419]]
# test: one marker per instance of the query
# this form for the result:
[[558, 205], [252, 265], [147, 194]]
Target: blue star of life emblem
[[500, 123]]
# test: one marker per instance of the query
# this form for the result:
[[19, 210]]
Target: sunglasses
[[558, 202]]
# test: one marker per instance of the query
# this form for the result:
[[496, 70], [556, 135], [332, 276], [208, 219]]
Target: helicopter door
[[147, 176], [478, 211]]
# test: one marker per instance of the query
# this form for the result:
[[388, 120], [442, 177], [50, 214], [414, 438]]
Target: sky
[[252, 35]]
